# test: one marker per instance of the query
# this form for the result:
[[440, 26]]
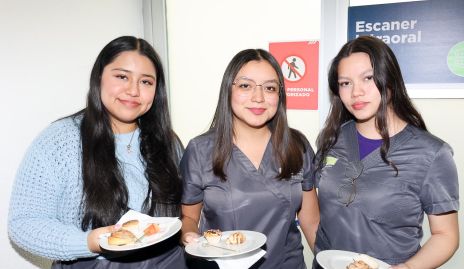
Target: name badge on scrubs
[[330, 161]]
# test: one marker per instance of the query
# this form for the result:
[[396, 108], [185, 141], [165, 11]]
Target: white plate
[[254, 240], [168, 228], [336, 259]]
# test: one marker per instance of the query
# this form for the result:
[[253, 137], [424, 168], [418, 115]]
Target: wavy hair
[[105, 195], [288, 144], [389, 82]]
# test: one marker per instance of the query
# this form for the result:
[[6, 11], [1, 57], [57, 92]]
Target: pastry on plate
[[363, 261], [121, 237], [130, 231], [213, 236], [236, 238], [132, 226]]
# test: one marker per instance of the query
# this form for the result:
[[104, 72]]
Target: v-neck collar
[[374, 157], [248, 163]]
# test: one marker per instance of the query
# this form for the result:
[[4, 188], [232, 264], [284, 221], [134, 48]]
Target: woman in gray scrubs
[[250, 171], [379, 169]]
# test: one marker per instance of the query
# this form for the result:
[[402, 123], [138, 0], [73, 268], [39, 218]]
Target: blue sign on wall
[[426, 36]]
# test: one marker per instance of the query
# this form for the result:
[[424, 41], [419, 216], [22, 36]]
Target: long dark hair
[[105, 195], [288, 144], [389, 82]]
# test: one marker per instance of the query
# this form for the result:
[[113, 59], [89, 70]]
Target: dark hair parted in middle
[[105, 193], [288, 144], [389, 82]]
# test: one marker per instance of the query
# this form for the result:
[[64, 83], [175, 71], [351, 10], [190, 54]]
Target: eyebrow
[[128, 71], [266, 81], [368, 71], [362, 74]]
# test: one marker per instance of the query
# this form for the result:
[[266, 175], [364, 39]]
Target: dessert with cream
[[213, 236], [363, 261], [236, 238]]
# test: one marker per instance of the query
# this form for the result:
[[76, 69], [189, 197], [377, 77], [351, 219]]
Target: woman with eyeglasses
[[84, 171], [250, 171], [379, 169]]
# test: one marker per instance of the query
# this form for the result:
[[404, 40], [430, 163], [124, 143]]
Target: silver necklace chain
[[129, 146]]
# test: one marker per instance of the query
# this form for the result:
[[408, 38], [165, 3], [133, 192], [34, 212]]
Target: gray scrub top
[[250, 199], [385, 218]]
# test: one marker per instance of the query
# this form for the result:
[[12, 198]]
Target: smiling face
[[128, 86], [357, 88], [255, 97]]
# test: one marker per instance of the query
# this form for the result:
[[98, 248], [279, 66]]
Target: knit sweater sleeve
[[45, 200]]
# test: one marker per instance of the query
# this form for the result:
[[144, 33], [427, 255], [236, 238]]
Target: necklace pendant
[[129, 146]]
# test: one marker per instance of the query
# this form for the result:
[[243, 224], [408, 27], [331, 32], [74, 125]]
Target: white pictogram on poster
[[293, 68]]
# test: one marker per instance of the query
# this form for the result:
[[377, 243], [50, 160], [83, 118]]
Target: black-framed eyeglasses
[[346, 192]]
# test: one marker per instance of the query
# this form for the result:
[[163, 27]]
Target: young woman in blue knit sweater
[[83, 172]]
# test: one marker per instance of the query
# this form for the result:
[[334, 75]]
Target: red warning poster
[[300, 64]]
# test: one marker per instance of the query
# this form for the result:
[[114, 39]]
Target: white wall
[[443, 118], [47, 49], [204, 35]]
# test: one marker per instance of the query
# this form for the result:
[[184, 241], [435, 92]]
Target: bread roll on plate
[[132, 225], [130, 231], [121, 237], [126, 234]]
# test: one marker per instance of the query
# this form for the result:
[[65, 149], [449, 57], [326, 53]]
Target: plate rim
[[172, 229], [319, 256], [263, 237]]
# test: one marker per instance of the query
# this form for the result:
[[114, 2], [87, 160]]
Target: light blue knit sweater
[[44, 216]]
